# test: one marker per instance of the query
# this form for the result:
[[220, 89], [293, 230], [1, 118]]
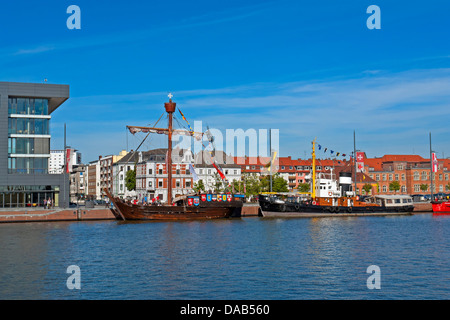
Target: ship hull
[[125, 211], [441, 208], [310, 208]]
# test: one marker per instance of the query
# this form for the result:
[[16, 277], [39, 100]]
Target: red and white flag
[[360, 162], [360, 156], [435, 163], [68, 164]]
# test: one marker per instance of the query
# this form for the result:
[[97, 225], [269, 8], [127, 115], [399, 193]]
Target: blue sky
[[310, 69]]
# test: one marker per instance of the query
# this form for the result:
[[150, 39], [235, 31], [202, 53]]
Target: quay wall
[[56, 215], [80, 214], [423, 207]]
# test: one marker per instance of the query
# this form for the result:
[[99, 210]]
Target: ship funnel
[[345, 183]]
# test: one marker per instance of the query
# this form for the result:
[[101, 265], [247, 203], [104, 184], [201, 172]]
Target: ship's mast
[[170, 109], [313, 180]]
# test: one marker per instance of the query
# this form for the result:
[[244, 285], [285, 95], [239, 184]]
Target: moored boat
[[441, 207], [184, 208], [330, 195], [187, 207]]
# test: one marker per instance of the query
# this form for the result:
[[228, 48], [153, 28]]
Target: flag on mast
[[435, 162]]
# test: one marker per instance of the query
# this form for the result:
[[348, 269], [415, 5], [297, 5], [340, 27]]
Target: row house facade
[[120, 170], [152, 178], [93, 180], [206, 171], [78, 183], [106, 170], [411, 171]]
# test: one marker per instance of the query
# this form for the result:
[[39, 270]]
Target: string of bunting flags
[[332, 152]]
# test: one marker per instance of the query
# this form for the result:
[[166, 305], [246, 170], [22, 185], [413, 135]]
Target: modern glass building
[[25, 114]]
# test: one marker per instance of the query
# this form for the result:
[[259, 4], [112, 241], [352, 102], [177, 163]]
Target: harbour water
[[240, 259]]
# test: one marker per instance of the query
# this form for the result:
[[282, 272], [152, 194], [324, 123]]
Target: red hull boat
[[441, 208]]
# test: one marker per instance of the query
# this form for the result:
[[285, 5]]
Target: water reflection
[[249, 258]]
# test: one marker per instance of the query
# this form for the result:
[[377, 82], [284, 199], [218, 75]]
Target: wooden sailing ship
[[187, 207]]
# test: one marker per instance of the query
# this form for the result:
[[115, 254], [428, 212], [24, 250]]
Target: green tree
[[130, 180], [367, 188], [447, 187], [304, 187], [394, 186], [218, 184], [279, 185], [252, 185], [424, 187], [199, 186]]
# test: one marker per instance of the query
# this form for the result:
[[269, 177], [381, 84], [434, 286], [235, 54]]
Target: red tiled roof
[[403, 158]]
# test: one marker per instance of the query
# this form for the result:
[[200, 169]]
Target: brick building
[[411, 171]]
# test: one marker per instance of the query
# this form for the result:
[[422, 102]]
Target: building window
[[28, 126], [160, 184], [384, 189], [150, 171], [424, 175], [28, 165], [160, 171], [188, 184], [384, 177], [28, 106], [416, 175], [404, 189], [403, 177], [149, 184]]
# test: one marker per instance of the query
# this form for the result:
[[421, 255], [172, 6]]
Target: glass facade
[[28, 196], [28, 126], [28, 146], [28, 155], [28, 106], [24, 165]]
